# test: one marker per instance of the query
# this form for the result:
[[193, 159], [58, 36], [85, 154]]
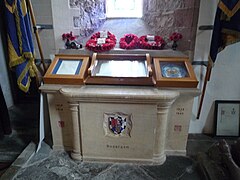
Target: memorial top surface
[[153, 53]]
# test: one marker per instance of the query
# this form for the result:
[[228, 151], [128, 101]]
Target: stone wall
[[92, 13], [167, 16]]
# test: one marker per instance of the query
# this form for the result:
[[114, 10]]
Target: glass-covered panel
[[67, 67], [121, 68], [173, 69]]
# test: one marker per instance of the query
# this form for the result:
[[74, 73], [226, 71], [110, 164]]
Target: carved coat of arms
[[117, 124]]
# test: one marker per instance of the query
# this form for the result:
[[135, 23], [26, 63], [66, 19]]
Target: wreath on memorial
[[108, 44], [129, 41], [157, 43]]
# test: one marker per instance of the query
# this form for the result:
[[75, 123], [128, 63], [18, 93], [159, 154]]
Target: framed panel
[[227, 118], [67, 69], [174, 72], [121, 69]]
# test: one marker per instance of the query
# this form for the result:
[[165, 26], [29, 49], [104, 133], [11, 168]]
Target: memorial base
[[120, 123]]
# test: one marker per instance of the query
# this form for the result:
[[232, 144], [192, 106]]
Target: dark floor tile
[[24, 123], [11, 147], [10, 173], [194, 146], [92, 169], [24, 116], [58, 165], [122, 172], [175, 167]]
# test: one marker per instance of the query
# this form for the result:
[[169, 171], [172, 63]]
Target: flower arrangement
[[129, 41], [93, 45], [158, 43], [68, 36], [70, 42], [175, 37]]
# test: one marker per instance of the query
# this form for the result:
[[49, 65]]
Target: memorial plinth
[[153, 122], [120, 107]]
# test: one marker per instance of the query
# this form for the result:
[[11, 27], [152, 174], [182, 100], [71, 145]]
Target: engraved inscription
[[180, 111], [59, 107], [117, 146]]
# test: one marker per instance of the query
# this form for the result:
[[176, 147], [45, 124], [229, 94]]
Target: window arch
[[124, 8]]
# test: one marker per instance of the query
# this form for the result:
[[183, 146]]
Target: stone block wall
[[167, 16], [90, 19]]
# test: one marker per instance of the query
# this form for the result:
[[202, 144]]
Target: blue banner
[[226, 28], [20, 43]]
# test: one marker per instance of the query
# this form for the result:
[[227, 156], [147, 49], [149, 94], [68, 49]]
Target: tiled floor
[[49, 164], [24, 122]]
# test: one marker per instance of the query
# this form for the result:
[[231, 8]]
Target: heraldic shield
[[117, 124]]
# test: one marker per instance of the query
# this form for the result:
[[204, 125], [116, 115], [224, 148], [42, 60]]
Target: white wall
[[43, 15], [62, 21], [224, 83]]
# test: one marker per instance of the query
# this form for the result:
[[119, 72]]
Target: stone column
[[76, 140], [160, 130]]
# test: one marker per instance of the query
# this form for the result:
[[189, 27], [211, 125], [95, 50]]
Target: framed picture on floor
[[227, 118]]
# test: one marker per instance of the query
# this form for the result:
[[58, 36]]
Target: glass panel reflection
[[173, 69], [121, 68], [67, 67]]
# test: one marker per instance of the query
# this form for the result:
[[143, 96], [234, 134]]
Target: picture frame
[[120, 69], [226, 117], [174, 72], [67, 69]]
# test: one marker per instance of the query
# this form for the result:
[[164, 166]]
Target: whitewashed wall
[[225, 82], [43, 14], [62, 17]]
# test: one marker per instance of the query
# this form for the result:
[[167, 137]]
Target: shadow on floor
[[24, 122]]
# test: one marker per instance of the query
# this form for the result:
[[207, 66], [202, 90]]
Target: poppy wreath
[[109, 44], [129, 41], [158, 43]]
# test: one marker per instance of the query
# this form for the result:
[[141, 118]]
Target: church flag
[[20, 43], [226, 28], [226, 31]]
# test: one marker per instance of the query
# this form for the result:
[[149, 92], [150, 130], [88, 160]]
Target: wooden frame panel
[[92, 79], [188, 81], [51, 77]]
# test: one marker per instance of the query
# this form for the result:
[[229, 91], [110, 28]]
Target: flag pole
[[36, 34], [207, 78]]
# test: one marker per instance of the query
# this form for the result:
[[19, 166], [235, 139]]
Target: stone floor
[[24, 120], [49, 164]]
